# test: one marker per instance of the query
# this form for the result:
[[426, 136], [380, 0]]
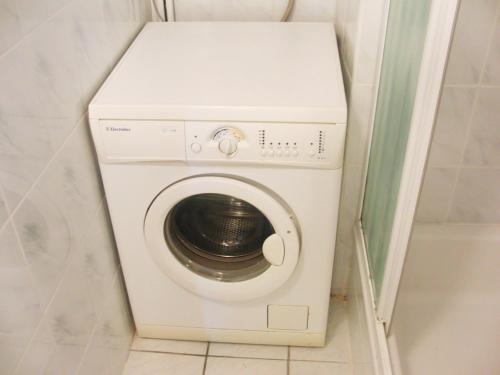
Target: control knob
[[228, 145], [228, 139]]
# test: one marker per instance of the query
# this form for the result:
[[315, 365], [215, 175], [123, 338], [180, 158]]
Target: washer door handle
[[274, 250]]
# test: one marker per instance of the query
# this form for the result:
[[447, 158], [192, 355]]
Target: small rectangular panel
[[136, 140], [290, 317], [287, 144]]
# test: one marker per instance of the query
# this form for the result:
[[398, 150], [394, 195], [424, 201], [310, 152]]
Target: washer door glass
[[218, 236]]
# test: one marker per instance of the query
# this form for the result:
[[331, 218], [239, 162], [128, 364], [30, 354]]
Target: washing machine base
[[230, 335]]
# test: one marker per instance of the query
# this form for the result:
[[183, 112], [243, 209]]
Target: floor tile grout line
[[206, 359], [214, 356], [160, 352], [256, 358], [317, 361], [288, 359], [321, 361]]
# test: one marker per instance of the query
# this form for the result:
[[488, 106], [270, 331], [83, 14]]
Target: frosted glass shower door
[[404, 45]]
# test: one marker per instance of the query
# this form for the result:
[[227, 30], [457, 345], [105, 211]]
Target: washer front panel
[[318, 146], [263, 283]]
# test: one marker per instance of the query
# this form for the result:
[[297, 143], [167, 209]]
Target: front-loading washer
[[220, 148]]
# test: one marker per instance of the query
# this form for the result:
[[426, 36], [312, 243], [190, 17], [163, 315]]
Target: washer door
[[222, 238]]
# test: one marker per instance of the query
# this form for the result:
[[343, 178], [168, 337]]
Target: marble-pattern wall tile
[[58, 263], [20, 309], [359, 34], [10, 24], [361, 354], [314, 11], [477, 196], [49, 358], [468, 50], [492, 70], [41, 96], [53, 218], [50, 77], [453, 118], [483, 145], [4, 213], [351, 26], [98, 258], [348, 215], [71, 316], [113, 335], [373, 14], [252, 10], [340, 16], [466, 136], [65, 331], [436, 194], [360, 117], [32, 13]]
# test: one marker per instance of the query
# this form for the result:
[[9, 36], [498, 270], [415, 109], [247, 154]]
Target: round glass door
[[218, 236], [222, 238]]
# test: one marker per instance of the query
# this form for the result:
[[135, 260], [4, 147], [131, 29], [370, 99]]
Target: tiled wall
[[462, 181], [361, 351], [63, 309], [360, 30], [252, 10]]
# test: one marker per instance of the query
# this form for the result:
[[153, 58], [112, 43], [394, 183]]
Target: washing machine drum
[[228, 233], [220, 236]]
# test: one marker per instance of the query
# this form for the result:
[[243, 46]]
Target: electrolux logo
[[120, 129]]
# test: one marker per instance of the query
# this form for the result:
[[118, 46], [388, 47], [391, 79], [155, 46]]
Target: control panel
[[315, 145], [287, 144]]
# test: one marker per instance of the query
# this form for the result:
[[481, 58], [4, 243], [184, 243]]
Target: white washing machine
[[221, 147]]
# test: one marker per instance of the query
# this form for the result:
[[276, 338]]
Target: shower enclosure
[[429, 229]]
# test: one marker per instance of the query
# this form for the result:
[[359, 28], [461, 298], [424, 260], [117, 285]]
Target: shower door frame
[[437, 43]]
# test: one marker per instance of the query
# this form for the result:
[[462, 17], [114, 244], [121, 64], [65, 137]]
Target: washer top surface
[[227, 71]]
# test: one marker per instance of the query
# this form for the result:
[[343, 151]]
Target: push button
[[195, 147]]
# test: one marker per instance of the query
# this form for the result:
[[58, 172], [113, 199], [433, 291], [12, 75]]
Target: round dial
[[228, 139]]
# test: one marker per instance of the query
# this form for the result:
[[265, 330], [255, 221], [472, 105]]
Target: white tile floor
[[165, 357]]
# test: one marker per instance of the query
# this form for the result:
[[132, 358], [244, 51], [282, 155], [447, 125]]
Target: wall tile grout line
[[469, 166], [472, 85], [10, 221], [27, 34], [91, 337]]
